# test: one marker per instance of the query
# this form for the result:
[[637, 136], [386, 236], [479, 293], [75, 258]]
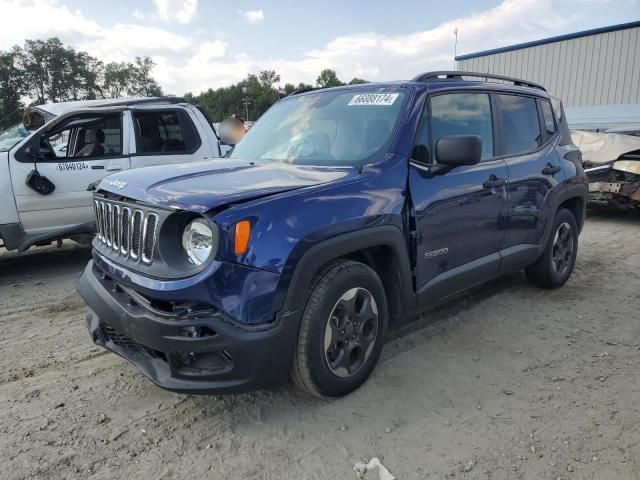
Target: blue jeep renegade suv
[[342, 213]]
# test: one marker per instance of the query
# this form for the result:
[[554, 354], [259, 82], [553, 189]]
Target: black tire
[[317, 369], [556, 263]]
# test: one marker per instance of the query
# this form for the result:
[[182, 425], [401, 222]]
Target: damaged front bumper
[[201, 352]]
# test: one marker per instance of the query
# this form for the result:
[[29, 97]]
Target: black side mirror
[[455, 150], [35, 149], [420, 153]]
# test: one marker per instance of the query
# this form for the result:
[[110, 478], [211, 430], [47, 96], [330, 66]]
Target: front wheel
[[555, 265], [342, 330]]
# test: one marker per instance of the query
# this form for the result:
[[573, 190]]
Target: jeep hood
[[202, 186]]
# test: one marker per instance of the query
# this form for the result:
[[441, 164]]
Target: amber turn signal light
[[243, 232]]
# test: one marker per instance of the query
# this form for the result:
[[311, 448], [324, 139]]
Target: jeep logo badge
[[119, 184]]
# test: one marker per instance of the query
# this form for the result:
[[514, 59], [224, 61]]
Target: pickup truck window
[[87, 137], [164, 132], [331, 127], [12, 136]]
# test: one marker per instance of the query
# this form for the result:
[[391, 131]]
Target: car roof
[[451, 80], [61, 108]]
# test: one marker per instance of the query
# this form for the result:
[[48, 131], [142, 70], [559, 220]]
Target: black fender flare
[[320, 254], [570, 192], [581, 191]]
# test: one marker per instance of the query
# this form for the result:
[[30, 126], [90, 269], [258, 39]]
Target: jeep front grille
[[128, 231]]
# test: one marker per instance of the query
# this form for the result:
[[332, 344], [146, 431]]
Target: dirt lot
[[508, 382]]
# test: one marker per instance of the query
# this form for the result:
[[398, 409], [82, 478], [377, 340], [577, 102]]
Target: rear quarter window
[[547, 117]]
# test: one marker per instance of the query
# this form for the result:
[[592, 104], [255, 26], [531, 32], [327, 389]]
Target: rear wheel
[[342, 330], [555, 265]]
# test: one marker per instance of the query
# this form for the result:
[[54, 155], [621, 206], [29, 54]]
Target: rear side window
[[164, 132], [462, 114], [547, 117], [520, 124]]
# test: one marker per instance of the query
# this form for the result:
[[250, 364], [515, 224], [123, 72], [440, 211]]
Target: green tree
[[55, 73], [289, 88], [357, 81], [12, 88], [48, 71], [142, 82], [88, 75], [116, 80], [34, 63], [122, 79], [328, 78], [261, 91]]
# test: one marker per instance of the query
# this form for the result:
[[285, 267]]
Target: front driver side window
[[85, 137], [462, 114]]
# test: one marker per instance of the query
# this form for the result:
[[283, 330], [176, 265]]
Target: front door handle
[[113, 167], [495, 182], [550, 169]]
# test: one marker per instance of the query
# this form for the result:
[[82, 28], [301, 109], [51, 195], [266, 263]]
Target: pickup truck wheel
[[342, 330], [555, 265]]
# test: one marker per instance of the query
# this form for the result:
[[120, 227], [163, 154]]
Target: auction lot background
[[508, 382]]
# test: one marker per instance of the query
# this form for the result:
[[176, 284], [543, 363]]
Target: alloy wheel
[[562, 250], [351, 332]]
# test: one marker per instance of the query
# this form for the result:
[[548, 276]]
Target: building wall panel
[[598, 69]]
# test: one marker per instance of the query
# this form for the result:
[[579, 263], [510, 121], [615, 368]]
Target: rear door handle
[[494, 182], [550, 169], [113, 167]]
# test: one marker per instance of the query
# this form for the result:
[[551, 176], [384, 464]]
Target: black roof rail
[[458, 74], [304, 90]]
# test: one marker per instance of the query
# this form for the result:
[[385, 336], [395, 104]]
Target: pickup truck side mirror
[[33, 151], [456, 150], [36, 151]]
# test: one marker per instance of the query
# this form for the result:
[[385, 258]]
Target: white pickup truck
[[75, 144]]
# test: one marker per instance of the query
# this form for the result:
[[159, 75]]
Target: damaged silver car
[[612, 164]]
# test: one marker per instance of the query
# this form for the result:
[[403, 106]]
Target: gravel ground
[[507, 382]]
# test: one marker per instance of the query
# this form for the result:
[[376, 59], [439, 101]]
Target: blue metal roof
[[544, 41]]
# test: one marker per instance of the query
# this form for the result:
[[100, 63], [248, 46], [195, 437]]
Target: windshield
[[335, 127], [13, 135]]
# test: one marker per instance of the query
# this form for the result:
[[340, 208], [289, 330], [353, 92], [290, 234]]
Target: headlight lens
[[199, 240]]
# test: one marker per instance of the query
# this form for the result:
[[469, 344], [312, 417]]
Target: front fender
[[310, 226], [303, 266]]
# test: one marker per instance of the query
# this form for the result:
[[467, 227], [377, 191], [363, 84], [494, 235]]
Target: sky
[[199, 44]]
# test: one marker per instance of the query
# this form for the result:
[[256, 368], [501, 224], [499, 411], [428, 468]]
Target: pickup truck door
[[167, 135], [74, 153], [458, 212]]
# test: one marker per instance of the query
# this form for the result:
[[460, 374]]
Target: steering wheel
[[303, 148]]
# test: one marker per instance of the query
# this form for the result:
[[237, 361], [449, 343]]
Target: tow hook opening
[[196, 364]]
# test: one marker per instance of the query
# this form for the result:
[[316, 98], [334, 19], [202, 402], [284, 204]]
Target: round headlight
[[198, 241]]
